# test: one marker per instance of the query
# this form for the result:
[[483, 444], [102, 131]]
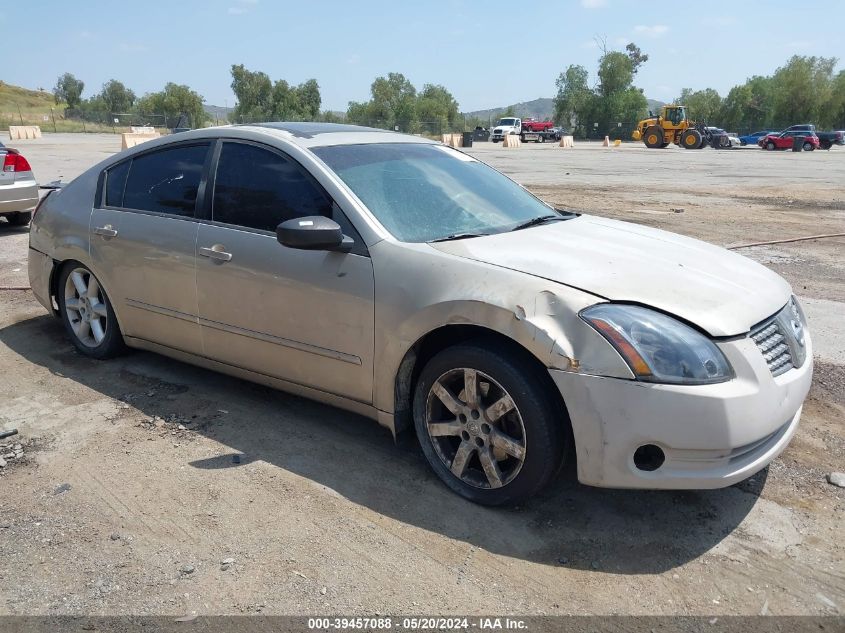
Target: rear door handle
[[215, 252], [105, 231]]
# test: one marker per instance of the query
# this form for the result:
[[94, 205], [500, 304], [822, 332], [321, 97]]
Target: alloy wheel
[[85, 307], [475, 428]]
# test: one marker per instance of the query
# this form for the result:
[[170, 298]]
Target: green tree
[[308, 96], [394, 101], [437, 109], [733, 113], [174, 101], [801, 87], [284, 104], [69, 90], [259, 99], [116, 96], [254, 92], [616, 73], [702, 105], [833, 111], [359, 113], [637, 57], [574, 97]]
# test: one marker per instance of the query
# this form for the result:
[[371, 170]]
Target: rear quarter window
[[115, 183]]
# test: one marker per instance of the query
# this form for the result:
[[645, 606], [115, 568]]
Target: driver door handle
[[105, 231], [215, 252]]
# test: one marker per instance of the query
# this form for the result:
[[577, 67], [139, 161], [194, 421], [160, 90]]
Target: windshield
[[422, 192], [507, 122]]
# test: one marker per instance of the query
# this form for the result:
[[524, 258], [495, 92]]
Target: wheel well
[[54, 283], [437, 340]]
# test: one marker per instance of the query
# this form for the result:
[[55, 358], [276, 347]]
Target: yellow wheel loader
[[672, 126]]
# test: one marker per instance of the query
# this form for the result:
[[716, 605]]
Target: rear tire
[[487, 424], [87, 313], [770, 146], [808, 147], [22, 218]]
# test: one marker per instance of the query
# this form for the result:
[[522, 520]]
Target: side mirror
[[313, 233]]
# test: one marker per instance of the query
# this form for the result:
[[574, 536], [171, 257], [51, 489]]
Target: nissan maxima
[[409, 282]]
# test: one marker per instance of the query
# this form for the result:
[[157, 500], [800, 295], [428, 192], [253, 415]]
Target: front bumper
[[712, 436]]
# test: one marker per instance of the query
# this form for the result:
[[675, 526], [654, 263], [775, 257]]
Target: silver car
[[18, 189], [407, 281]]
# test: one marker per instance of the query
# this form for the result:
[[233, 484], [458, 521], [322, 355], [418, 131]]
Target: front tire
[[770, 146], [653, 137], [808, 147], [87, 313], [691, 139], [486, 424]]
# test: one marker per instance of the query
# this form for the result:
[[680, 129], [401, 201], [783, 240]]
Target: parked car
[[802, 127], [785, 140], [718, 138], [826, 139], [733, 139], [556, 133], [754, 137], [407, 281], [18, 189], [829, 139]]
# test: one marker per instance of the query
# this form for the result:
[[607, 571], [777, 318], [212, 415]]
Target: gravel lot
[[126, 498]]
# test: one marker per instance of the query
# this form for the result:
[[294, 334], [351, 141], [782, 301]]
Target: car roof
[[314, 134]]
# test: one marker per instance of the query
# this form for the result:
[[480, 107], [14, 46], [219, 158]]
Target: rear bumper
[[712, 436], [18, 196], [40, 273]]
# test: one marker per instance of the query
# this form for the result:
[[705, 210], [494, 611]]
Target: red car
[[784, 140]]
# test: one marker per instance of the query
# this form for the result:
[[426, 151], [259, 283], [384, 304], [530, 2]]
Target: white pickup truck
[[505, 126]]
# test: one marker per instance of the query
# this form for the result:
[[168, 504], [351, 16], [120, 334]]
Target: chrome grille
[[772, 344]]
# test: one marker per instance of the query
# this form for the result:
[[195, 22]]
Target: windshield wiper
[[458, 236], [536, 221]]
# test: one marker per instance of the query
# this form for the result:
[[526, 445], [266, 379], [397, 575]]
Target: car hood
[[723, 293]]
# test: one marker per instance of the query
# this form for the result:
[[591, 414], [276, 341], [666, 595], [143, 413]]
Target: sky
[[488, 54]]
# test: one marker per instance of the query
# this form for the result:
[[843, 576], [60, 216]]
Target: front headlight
[[659, 348]]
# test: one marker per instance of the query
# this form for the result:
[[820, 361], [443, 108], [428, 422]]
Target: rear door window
[[166, 181]]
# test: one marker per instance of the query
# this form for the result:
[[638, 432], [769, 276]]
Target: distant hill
[[539, 109], [542, 108], [216, 113], [24, 97]]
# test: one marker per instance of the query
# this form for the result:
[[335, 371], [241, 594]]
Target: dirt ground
[[127, 496]]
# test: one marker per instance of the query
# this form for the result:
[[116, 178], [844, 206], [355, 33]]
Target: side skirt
[[367, 410]]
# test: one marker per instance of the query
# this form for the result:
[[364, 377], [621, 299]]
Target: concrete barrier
[[24, 131], [452, 140], [130, 139], [511, 140], [142, 129], [567, 141]]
